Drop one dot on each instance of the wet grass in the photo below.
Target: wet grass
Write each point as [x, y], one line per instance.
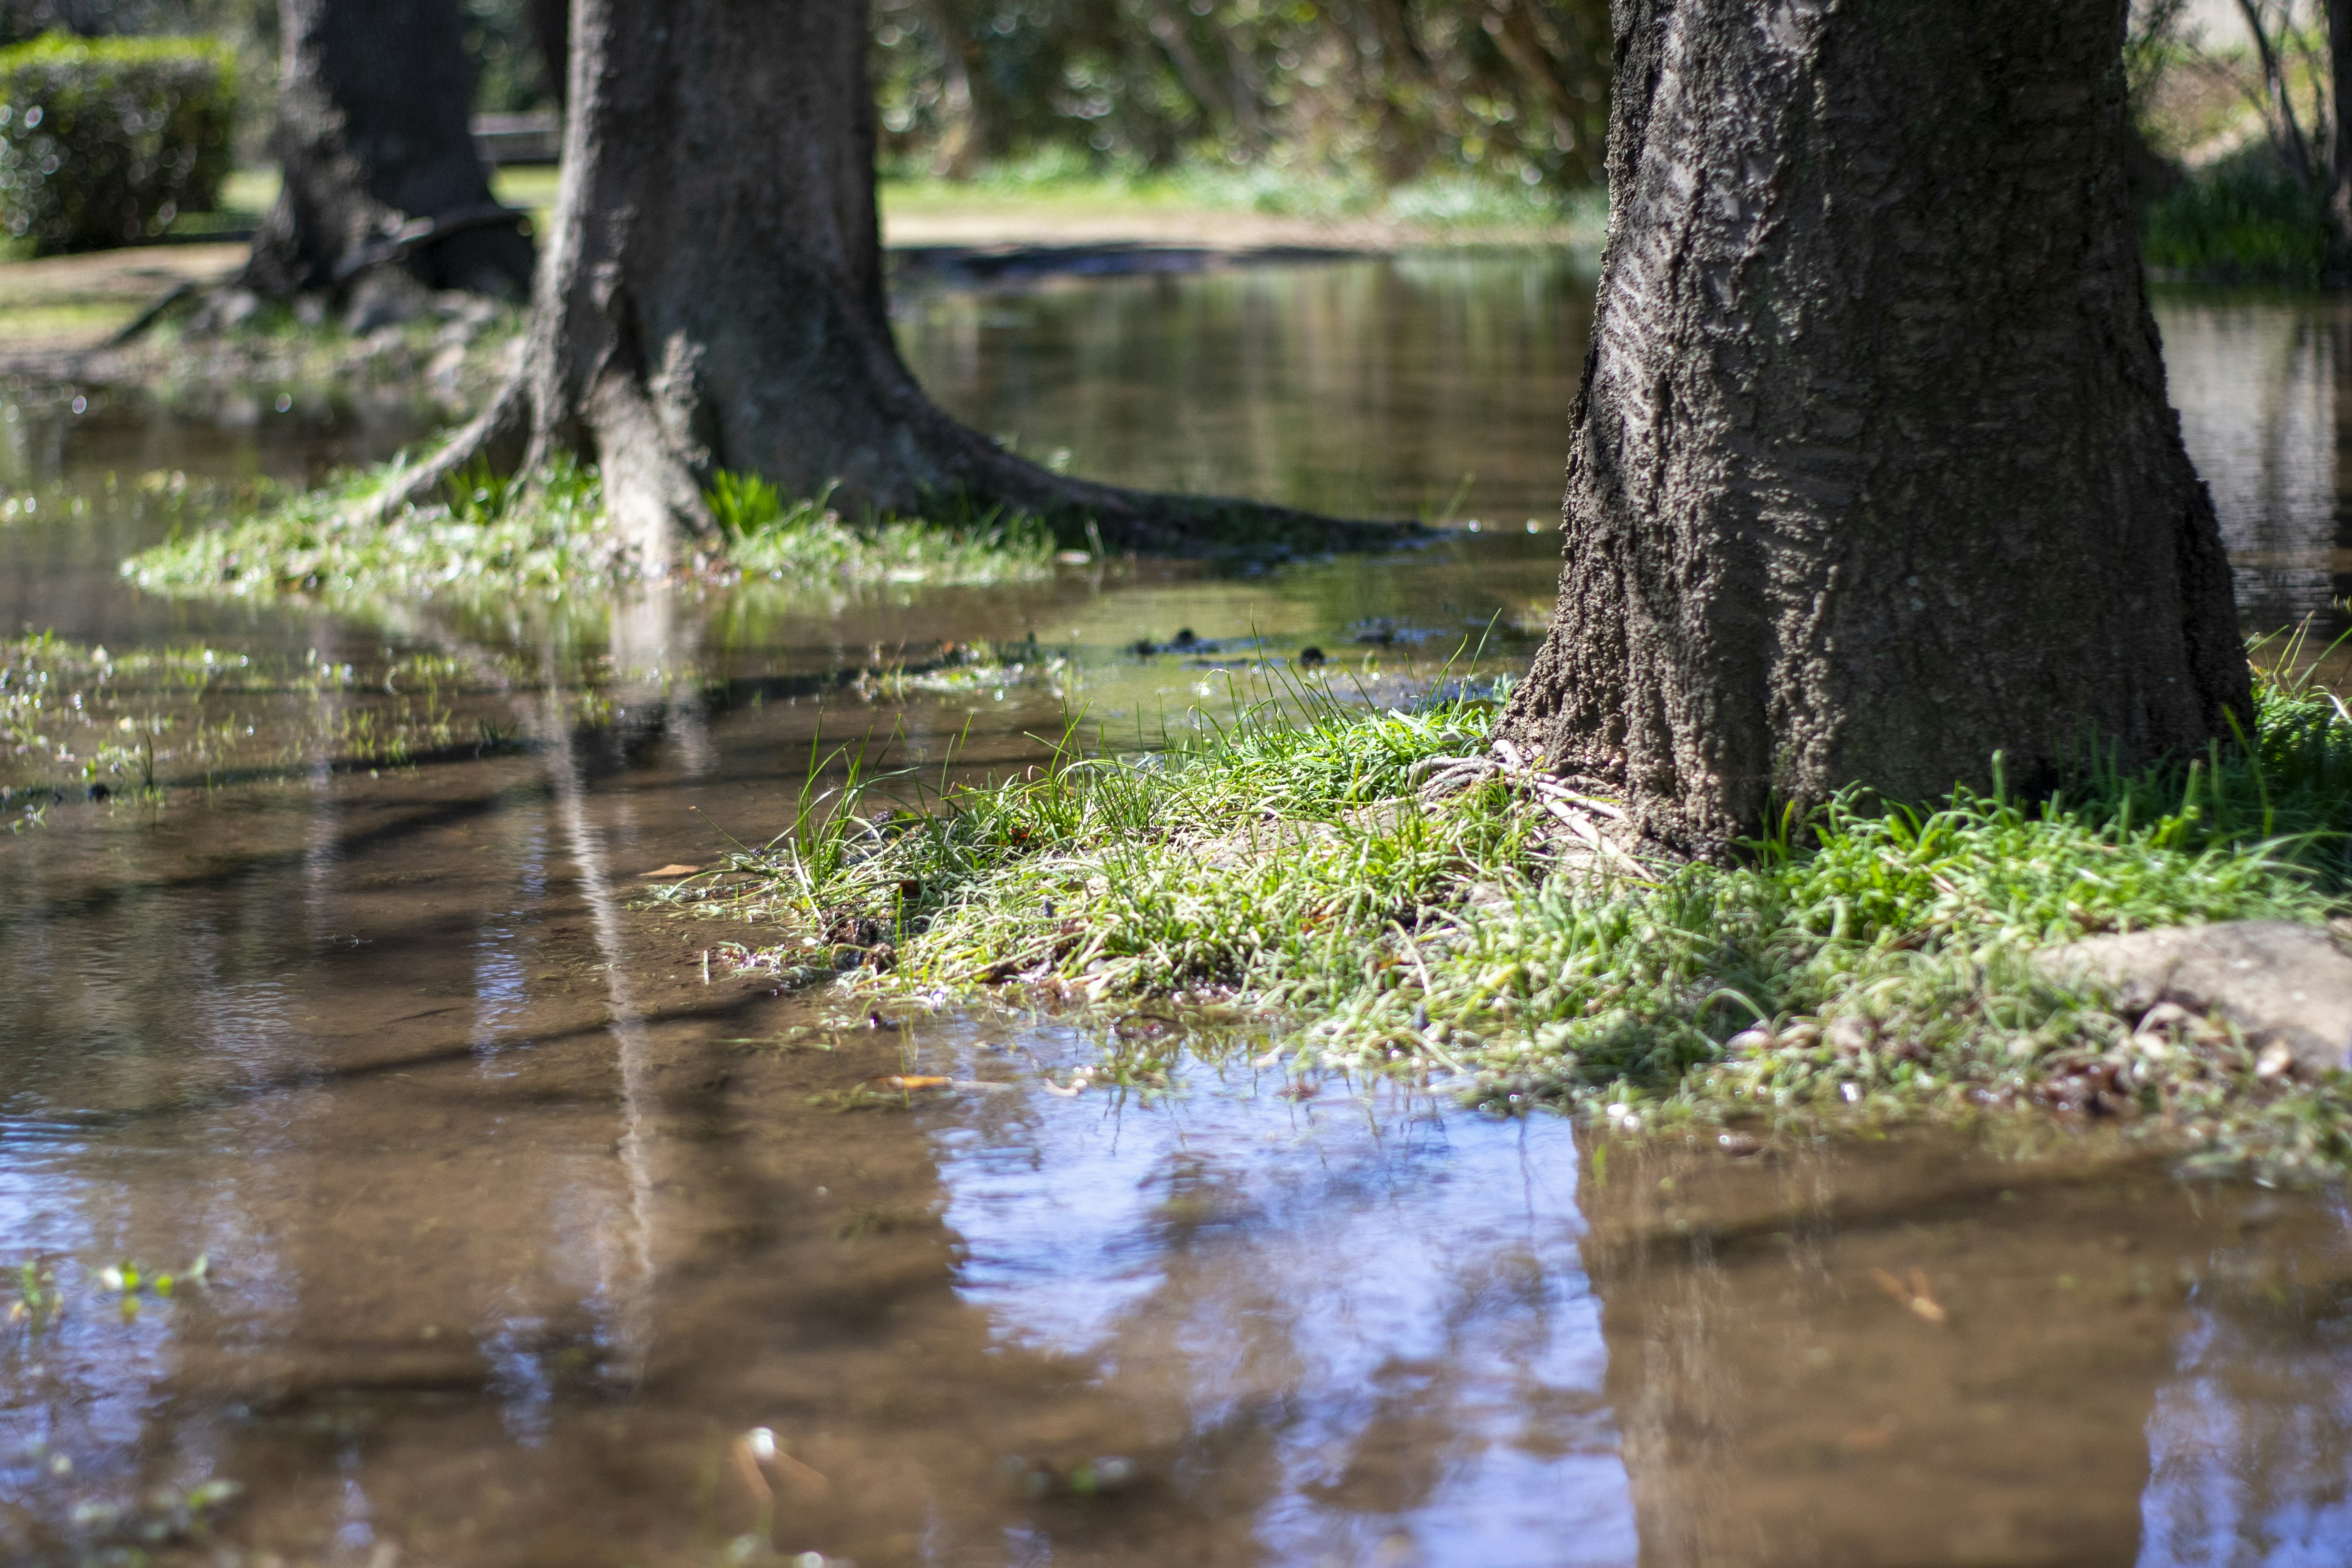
[1863, 966]
[548, 535]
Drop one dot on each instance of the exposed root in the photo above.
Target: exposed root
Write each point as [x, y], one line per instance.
[164, 304]
[494, 433]
[1451, 777]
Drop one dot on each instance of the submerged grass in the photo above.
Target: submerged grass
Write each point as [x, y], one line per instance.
[1865, 965]
[548, 535]
[77, 723]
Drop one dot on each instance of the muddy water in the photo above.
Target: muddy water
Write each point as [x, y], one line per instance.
[524, 1242]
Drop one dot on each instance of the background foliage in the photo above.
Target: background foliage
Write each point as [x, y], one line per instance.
[105, 141]
[1395, 89]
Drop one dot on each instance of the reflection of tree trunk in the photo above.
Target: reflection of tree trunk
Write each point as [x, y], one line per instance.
[380, 174]
[1778, 1405]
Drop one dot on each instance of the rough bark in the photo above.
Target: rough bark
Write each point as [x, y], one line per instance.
[712, 295]
[381, 174]
[1873, 475]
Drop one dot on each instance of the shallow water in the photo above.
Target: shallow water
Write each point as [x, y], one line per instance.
[516, 1228]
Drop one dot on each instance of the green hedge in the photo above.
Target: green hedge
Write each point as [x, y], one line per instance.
[104, 141]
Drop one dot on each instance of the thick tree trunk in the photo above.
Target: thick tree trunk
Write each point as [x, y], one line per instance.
[1873, 476]
[381, 174]
[713, 295]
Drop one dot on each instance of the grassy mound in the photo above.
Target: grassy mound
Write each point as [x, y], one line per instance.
[1869, 962]
[495, 537]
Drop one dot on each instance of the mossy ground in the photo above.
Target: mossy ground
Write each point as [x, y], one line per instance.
[548, 535]
[1866, 965]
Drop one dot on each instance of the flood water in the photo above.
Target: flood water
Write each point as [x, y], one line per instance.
[527, 1239]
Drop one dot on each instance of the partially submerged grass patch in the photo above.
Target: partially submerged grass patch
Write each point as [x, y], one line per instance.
[548, 534]
[77, 723]
[1868, 963]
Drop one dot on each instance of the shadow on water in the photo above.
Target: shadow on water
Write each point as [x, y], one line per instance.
[525, 1242]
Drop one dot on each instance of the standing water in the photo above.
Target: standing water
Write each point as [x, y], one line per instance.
[501, 1228]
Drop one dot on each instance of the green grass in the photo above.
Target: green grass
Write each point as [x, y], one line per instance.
[495, 537]
[1864, 965]
[1453, 208]
[2244, 222]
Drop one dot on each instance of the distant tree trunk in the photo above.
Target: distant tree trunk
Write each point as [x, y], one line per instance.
[550, 29]
[970, 127]
[713, 294]
[381, 174]
[1873, 475]
[2339, 153]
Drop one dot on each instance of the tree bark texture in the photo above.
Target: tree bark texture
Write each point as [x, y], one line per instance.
[380, 166]
[712, 295]
[1873, 475]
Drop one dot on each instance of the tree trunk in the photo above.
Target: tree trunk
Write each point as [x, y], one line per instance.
[382, 180]
[1873, 476]
[713, 295]
[2339, 149]
[550, 29]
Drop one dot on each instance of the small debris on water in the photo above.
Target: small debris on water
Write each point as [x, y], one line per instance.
[1914, 1295]
[672, 870]
[1088, 1478]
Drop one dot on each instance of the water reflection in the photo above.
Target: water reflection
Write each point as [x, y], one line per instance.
[2251, 1441]
[2258, 385]
[516, 1225]
[1376, 1305]
[1780, 1402]
[1420, 385]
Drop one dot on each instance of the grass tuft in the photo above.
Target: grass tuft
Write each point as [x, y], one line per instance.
[1866, 963]
[548, 534]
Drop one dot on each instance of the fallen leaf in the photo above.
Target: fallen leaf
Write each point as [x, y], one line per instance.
[1914, 1296]
[672, 871]
[914, 1080]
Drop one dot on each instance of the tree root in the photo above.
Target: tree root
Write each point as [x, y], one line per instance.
[171, 298]
[1455, 777]
[495, 432]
